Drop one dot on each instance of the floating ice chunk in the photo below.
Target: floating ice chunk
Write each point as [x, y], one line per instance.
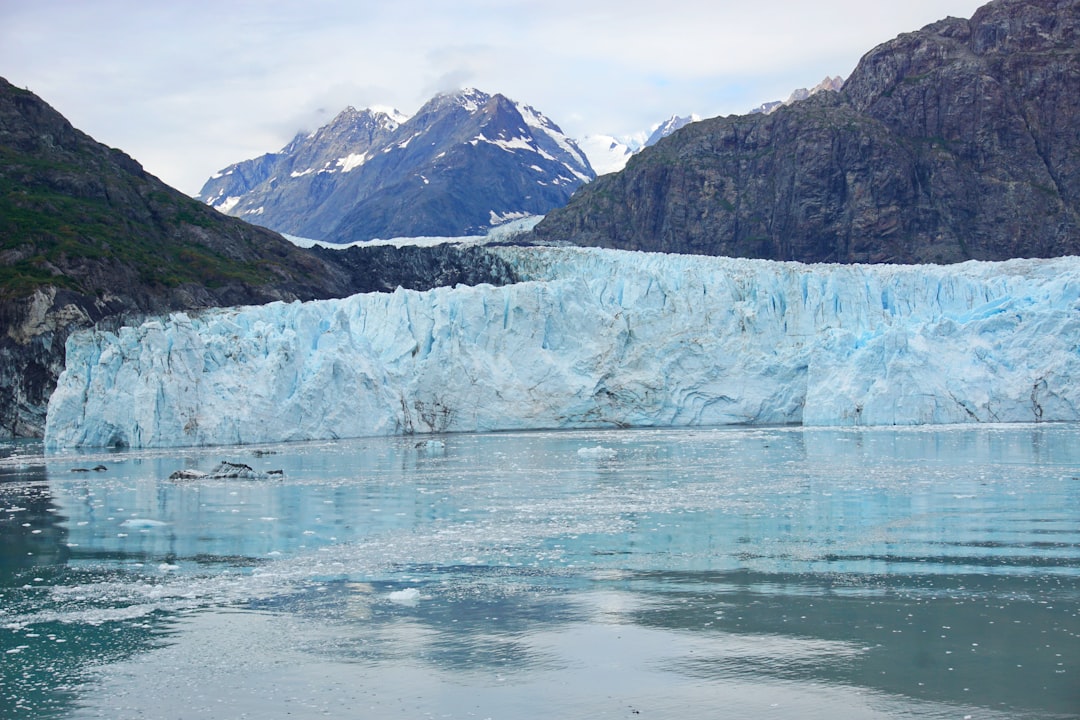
[187, 475]
[226, 469]
[142, 523]
[408, 596]
[431, 447]
[597, 453]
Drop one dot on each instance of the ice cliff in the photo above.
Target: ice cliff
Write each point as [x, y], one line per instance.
[595, 338]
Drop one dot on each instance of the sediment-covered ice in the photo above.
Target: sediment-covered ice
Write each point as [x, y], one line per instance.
[596, 338]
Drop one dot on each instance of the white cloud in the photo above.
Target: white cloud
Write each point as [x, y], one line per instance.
[187, 88]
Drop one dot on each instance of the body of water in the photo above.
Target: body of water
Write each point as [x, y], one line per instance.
[694, 573]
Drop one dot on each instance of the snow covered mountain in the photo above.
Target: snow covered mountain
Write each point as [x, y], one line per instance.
[673, 123]
[467, 161]
[609, 154]
[595, 338]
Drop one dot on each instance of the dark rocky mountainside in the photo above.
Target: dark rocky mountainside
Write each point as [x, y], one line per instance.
[467, 161]
[384, 268]
[87, 236]
[959, 141]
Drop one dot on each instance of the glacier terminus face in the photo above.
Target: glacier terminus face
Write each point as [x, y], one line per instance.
[594, 338]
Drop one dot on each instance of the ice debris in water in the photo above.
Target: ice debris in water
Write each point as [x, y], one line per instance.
[188, 475]
[431, 447]
[599, 452]
[142, 523]
[593, 339]
[225, 469]
[408, 596]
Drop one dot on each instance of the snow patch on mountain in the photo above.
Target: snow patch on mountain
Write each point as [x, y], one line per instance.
[505, 217]
[512, 144]
[352, 161]
[228, 203]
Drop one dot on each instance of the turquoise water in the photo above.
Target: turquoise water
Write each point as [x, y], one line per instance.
[734, 572]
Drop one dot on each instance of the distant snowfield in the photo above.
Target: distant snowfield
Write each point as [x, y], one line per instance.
[608, 154]
[595, 338]
[513, 225]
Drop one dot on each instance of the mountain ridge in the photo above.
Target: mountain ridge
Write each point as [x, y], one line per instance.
[950, 143]
[834, 82]
[465, 162]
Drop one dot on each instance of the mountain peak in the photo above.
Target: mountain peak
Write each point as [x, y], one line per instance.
[391, 112]
[673, 123]
[469, 99]
[829, 83]
[351, 117]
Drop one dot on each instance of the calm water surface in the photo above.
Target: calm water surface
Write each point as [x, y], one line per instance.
[727, 573]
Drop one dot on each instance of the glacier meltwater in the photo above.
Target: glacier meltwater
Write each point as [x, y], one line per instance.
[594, 338]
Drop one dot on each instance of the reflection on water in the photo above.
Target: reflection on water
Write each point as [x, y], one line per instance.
[929, 572]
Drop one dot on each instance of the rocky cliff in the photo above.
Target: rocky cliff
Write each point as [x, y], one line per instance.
[87, 236]
[955, 142]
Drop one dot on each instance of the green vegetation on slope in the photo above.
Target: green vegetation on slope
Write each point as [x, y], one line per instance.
[47, 232]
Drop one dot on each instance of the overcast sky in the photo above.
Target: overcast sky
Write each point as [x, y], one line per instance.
[188, 87]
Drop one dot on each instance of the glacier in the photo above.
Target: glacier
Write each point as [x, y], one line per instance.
[593, 338]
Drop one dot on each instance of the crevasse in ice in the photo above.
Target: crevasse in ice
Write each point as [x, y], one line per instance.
[595, 338]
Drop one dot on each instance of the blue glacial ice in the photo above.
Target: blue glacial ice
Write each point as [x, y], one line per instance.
[594, 338]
